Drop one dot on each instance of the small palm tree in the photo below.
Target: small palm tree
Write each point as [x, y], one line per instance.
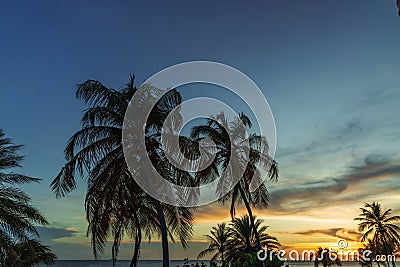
[17, 215]
[326, 257]
[242, 240]
[218, 239]
[379, 225]
[372, 247]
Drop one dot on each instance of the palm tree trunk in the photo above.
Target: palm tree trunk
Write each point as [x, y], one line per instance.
[138, 241]
[253, 226]
[249, 211]
[164, 233]
[388, 250]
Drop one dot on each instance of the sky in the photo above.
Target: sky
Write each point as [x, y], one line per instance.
[329, 70]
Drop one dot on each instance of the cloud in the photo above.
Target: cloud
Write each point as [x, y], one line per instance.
[328, 139]
[369, 121]
[348, 234]
[290, 208]
[48, 235]
[375, 170]
[335, 198]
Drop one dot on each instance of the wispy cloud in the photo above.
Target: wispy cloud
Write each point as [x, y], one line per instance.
[348, 234]
[329, 191]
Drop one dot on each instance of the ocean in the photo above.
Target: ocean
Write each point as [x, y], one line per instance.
[101, 263]
[158, 263]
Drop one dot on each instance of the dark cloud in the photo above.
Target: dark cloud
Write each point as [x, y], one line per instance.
[310, 194]
[329, 139]
[349, 130]
[286, 151]
[348, 234]
[373, 116]
[373, 168]
[48, 234]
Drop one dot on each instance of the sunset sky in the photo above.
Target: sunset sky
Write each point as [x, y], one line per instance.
[329, 70]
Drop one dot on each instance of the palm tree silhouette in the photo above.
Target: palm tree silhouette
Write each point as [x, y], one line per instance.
[115, 204]
[218, 239]
[17, 215]
[129, 212]
[398, 5]
[372, 247]
[243, 241]
[380, 225]
[326, 257]
[29, 253]
[227, 135]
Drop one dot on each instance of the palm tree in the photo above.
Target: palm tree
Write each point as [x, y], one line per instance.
[130, 213]
[230, 139]
[218, 239]
[379, 224]
[327, 257]
[29, 253]
[372, 248]
[242, 240]
[115, 204]
[17, 215]
[398, 6]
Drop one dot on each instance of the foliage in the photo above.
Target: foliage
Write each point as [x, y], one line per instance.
[326, 257]
[229, 138]
[252, 261]
[380, 229]
[17, 215]
[186, 263]
[243, 239]
[237, 241]
[29, 253]
[96, 151]
[371, 247]
[218, 239]
[232, 146]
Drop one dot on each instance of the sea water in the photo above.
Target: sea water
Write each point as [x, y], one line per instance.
[173, 263]
[101, 263]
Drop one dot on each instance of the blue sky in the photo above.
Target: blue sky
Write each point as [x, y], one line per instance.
[329, 69]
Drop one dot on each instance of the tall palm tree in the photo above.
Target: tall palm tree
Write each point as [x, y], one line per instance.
[229, 138]
[379, 224]
[17, 215]
[115, 204]
[242, 240]
[218, 239]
